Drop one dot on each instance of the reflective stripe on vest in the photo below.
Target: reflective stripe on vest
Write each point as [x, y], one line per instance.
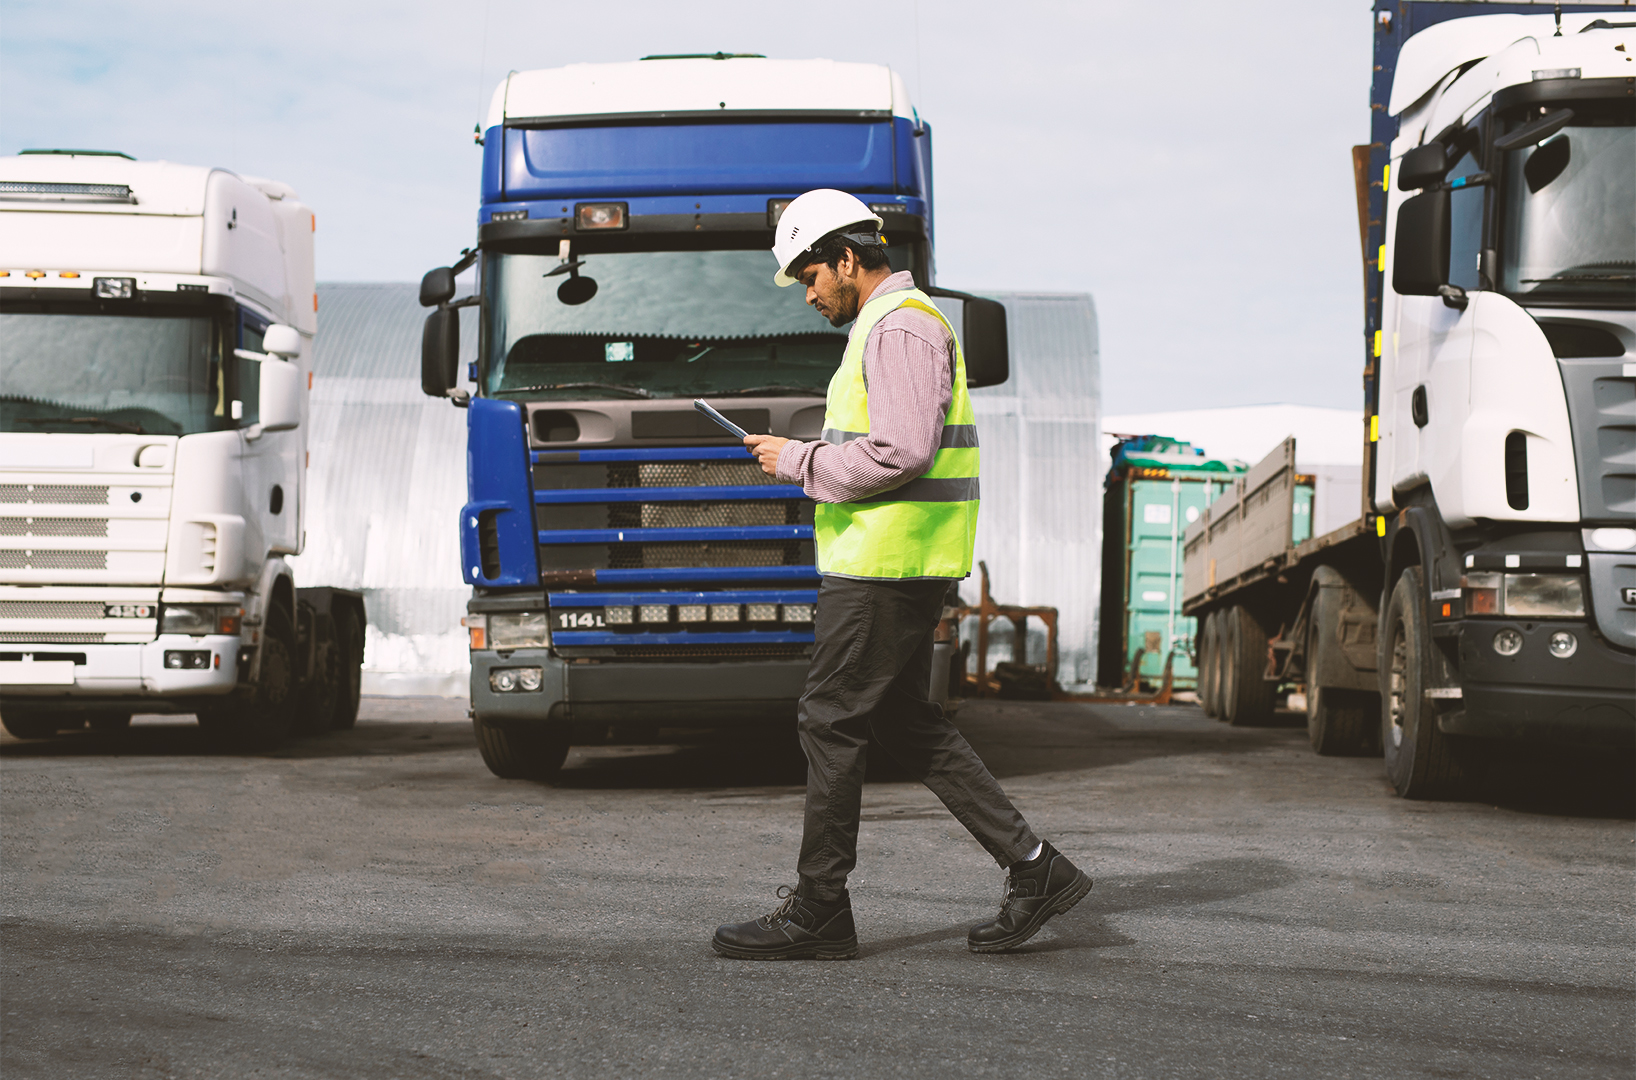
[927, 526]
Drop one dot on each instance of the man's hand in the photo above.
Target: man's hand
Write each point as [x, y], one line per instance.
[766, 449]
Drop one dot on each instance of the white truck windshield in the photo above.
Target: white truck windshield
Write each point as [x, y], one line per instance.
[1569, 232]
[153, 375]
[661, 324]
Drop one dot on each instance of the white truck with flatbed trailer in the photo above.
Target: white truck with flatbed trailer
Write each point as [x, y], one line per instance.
[1487, 592]
[156, 328]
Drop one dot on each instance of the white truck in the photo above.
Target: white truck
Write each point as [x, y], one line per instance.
[156, 329]
[1487, 593]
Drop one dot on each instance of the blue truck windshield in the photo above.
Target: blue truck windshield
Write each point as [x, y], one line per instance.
[1570, 217]
[661, 324]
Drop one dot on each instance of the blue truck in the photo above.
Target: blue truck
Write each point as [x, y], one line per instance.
[631, 567]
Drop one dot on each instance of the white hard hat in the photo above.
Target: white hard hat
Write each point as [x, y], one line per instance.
[810, 218]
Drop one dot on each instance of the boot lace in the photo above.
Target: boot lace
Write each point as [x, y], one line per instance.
[1010, 893]
[782, 915]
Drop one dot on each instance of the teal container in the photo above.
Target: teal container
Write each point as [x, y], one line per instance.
[1154, 490]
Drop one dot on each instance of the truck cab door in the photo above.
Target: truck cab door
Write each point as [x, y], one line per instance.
[269, 460]
[1430, 373]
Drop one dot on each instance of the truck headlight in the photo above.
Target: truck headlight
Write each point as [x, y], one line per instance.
[1524, 596]
[199, 619]
[524, 631]
[515, 680]
[1560, 596]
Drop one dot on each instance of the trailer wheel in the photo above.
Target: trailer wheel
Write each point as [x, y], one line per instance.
[349, 652]
[1210, 665]
[1421, 761]
[1337, 719]
[315, 712]
[26, 724]
[1247, 697]
[519, 753]
[266, 721]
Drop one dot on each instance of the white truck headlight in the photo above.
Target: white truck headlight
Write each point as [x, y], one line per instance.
[199, 619]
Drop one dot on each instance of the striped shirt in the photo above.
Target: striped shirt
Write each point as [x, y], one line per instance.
[908, 365]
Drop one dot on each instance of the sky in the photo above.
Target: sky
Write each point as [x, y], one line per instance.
[1187, 164]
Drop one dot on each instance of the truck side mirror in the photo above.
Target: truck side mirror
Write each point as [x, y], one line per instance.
[987, 348]
[1421, 167]
[437, 287]
[439, 349]
[280, 395]
[982, 338]
[1420, 257]
[281, 340]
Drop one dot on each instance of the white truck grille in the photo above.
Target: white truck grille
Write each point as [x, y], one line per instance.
[53, 526]
[78, 615]
[54, 494]
[55, 531]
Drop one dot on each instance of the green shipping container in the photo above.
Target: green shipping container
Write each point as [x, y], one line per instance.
[1154, 490]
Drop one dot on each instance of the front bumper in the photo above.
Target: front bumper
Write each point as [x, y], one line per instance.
[128, 674]
[590, 698]
[1587, 699]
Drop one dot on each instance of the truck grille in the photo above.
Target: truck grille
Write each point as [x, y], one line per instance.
[55, 494]
[53, 526]
[710, 554]
[53, 560]
[702, 529]
[49, 638]
[51, 609]
[708, 652]
[109, 530]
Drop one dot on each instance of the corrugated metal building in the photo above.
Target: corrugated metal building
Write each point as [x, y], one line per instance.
[387, 479]
[1040, 527]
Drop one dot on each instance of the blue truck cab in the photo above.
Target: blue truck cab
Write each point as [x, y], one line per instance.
[631, 566]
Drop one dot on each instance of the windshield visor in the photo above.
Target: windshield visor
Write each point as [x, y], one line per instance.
[661, 324]
[1569, 229]
[147, 374]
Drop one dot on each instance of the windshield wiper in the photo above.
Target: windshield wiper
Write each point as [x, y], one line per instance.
[116, 425]
[768, 391]
[1580, 277]
[634, 391]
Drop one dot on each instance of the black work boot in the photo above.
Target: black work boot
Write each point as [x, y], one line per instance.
[1034, 891]
[801, 929]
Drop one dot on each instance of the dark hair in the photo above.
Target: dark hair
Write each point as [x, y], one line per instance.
[832, 248]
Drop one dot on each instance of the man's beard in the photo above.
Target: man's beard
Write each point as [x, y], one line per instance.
[846, 308]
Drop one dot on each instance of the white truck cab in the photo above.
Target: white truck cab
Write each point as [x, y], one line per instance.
[156, 322]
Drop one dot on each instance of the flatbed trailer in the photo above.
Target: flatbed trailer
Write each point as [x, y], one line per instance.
[1486, 593]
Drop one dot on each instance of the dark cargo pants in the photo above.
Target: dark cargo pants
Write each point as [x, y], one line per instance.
[871, 669]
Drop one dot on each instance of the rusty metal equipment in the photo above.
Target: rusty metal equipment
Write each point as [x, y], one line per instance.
[985, 684]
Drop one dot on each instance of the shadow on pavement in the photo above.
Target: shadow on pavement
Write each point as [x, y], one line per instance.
[1085, 927]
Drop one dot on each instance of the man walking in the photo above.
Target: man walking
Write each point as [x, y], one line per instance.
[895, 479]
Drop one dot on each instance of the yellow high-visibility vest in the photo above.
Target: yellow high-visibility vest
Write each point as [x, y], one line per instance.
[925, 527]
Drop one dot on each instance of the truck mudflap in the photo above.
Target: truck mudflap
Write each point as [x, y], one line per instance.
[1582, 699]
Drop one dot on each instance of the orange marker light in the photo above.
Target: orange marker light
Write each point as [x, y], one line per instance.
[1446, 609]
[315, 301]
[35, 274]
[69, 273]
[309, 380]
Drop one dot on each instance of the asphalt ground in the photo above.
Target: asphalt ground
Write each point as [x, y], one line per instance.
[375, 904]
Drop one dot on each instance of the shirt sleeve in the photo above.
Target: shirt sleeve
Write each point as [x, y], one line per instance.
[909, 372]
